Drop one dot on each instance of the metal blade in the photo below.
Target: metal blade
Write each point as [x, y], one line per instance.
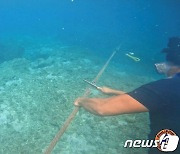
[92, 84]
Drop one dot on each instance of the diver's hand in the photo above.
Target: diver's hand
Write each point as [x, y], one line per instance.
[105, 90]
[77, 102]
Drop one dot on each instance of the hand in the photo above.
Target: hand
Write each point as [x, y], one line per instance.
[78, 101]
[105, 90]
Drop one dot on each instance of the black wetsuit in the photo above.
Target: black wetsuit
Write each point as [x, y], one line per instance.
[162, 99]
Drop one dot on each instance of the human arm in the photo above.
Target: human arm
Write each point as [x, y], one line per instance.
[116, 105]
[107, 90]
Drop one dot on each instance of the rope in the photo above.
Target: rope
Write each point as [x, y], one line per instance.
[76, 109]
[104, 67]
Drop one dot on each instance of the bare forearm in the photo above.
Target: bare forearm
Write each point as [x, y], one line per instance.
[116, 92]
[107, 90]
[116, 105]
[98, 106]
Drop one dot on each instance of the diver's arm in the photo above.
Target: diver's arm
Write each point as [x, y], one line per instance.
[116, 105]
[107, 90]
[93, 105]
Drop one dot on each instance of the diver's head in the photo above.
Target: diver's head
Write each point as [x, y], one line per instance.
[172, 64]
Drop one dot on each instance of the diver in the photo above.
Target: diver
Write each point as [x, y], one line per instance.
[160, 98]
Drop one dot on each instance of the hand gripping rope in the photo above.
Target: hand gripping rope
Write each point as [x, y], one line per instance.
[76, 109]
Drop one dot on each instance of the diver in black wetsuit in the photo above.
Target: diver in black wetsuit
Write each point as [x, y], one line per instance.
[160, 98]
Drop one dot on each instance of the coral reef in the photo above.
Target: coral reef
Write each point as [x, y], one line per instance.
[37, 96]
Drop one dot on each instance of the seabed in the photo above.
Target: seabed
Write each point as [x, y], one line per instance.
[37, 94]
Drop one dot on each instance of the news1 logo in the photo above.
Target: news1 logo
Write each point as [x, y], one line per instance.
[166, 140]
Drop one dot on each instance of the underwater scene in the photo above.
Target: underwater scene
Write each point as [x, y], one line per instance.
[48, 48]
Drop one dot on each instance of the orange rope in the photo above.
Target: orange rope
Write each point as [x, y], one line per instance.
[73, 113]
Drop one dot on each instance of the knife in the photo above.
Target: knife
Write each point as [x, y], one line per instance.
[92, 84]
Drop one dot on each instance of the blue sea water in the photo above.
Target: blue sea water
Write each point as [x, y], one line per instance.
[47, 48]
